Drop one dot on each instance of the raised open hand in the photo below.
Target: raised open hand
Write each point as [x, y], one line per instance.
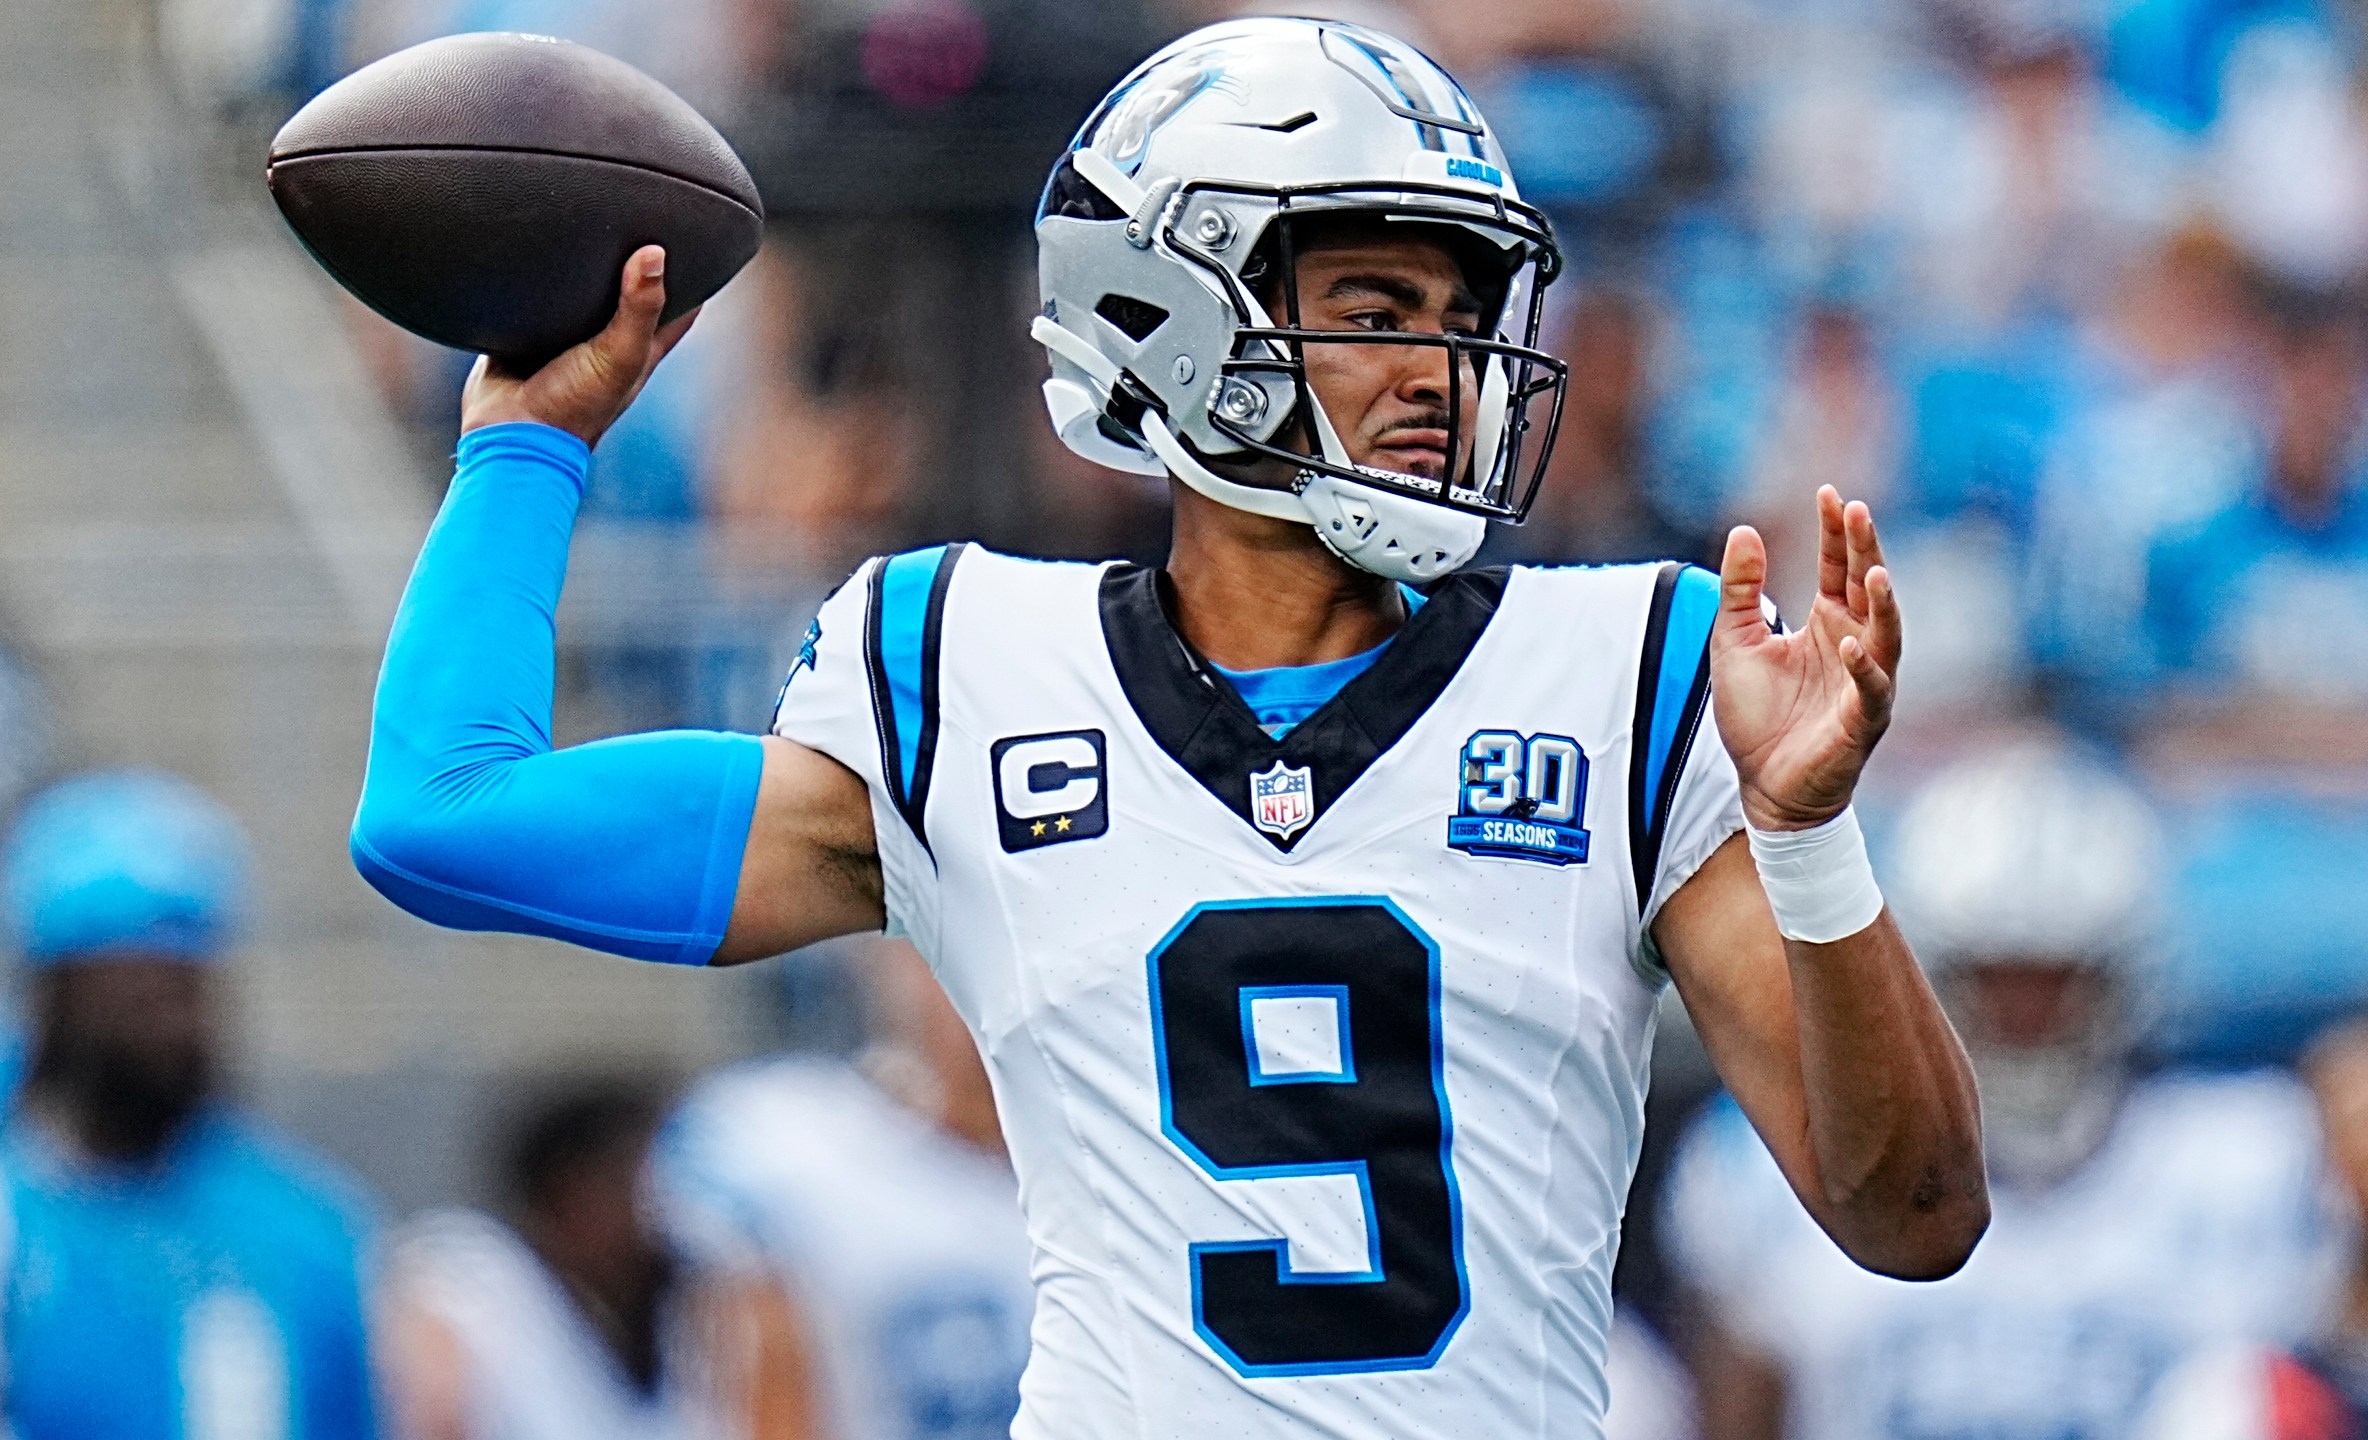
[584, 389]
[1801, 712]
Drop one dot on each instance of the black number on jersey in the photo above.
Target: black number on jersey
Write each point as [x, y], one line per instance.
[1253, 1085]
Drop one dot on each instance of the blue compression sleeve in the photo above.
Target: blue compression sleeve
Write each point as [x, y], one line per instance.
[468, 817]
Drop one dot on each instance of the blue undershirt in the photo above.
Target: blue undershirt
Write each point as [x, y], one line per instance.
[1287, 694]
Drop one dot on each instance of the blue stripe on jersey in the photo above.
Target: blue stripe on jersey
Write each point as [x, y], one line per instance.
[905, 582]
[1693, 605]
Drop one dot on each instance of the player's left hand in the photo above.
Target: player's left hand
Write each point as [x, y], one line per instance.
[1801, 712]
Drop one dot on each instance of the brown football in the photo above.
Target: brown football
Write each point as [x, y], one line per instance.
[485, 190]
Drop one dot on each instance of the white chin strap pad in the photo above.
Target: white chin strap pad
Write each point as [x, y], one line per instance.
[1394, 536]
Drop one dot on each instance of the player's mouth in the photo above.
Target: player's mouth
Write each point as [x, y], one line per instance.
[1413, 452]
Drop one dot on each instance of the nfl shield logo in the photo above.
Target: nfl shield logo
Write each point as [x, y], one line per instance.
[1283, 800]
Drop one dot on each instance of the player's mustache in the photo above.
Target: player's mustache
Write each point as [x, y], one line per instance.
[1428, 420]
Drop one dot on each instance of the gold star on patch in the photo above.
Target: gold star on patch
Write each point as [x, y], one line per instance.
[1037, 828]
[1061, 824]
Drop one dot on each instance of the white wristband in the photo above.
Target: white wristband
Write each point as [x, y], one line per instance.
[1818, 880]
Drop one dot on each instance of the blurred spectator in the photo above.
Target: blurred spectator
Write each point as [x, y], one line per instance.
[883, 1196]
[171, 1271]
[817, 464]
[1984, 170]
[2135, 1220]
[576, 1320]
[1596, 503]
[2159, 431]
[1832, 425]
[2241, 607]
[2287, 170]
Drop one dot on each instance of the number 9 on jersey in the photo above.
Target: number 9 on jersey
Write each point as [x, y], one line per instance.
[1302, 1038]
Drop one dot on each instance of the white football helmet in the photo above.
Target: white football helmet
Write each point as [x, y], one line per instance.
[2034, 855]
[1176, 204]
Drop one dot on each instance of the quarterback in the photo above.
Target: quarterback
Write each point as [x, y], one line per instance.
[1308, 898]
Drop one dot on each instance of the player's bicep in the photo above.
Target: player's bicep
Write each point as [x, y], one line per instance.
[812, 866]
[1719, 940]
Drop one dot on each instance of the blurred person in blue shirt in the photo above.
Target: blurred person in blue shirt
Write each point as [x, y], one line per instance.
[171, 1272]
[2250, 612]
[2159, 426]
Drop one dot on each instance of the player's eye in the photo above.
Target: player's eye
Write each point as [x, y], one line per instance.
[1375, 320]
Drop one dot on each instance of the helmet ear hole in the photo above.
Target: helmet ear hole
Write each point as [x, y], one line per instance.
[1134, 318]
[1072, 195]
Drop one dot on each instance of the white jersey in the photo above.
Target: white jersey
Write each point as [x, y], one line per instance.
[901, 1244]
[536, 1369]
[2199, 1220]
[1321, 1060]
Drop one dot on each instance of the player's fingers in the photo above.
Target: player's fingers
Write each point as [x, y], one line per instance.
[1742, 577]
[623, 345]
[1883, 633]
[1874, 684]
[642, 296]
[1833, 547]
[1865, 551]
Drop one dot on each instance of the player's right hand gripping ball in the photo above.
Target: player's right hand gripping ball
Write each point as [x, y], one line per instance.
[485, 190]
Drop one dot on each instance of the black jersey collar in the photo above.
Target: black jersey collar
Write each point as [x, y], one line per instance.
[1201, 722]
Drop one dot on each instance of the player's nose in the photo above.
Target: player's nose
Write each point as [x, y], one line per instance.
[1431, 375]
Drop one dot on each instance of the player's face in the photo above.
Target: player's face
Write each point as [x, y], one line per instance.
[135, 1037]
[2033, 1004]
[1389, 403]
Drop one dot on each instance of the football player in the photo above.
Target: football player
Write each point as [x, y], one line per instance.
[572, 1316]
[1308, 898]
[169, 1267]
[881, 1193]
[2318, 1389]
[2137, 1220]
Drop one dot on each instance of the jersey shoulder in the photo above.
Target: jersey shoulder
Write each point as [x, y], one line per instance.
[868, 681]
[2224, 1135]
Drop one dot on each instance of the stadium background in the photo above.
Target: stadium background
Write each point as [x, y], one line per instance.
[2062, 287]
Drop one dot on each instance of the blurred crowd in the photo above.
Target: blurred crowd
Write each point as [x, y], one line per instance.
[2075, 292]
[2070, 290]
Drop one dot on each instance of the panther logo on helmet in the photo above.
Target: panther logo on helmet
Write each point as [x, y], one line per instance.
[1128, 128]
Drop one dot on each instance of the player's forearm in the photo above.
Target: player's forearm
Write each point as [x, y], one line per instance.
[1892, 1116]
[468, 818]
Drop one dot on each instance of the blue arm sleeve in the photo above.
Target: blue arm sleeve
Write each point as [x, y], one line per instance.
[468, 817]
